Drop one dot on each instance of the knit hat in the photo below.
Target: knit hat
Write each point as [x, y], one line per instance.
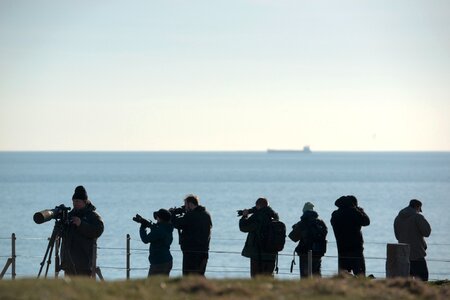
[80, 193]
[308, 206]
[163, 214]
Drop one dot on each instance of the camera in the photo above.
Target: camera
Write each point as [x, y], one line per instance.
[142, 221]
[177, 210]
[58, 213]
[250, 211]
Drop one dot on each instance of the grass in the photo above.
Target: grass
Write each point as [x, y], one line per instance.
[201, 288]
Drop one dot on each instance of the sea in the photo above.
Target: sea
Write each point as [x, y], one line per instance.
[123, 184]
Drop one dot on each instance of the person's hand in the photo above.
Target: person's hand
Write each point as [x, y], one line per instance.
[76, 221]
[245, 213]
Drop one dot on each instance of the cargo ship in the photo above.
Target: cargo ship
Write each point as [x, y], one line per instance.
[306, 149]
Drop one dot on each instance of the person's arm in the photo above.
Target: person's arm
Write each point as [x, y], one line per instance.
[92, 227]
[363, 217]
[143, 234]
[423, 225]
[396, 230]
[154, 234]
[180, 222]
[248, 224]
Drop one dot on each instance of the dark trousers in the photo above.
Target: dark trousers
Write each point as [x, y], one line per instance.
[352, 262]
[418, 268]
[160, 269]
[194, 262]
[316, 265]
[261, 267]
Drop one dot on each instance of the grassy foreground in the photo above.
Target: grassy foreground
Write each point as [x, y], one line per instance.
[200, 288]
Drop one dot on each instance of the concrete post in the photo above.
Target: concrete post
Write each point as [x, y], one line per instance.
[397, 262]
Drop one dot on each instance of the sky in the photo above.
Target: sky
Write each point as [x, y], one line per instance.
[247, 75]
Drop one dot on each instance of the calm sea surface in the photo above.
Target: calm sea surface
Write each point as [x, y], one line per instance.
[123, 184]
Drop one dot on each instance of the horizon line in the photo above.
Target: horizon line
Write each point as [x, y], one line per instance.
[230, 151]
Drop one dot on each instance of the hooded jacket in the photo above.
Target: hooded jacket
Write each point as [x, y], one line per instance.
[79, 245]
[411, 227]
[347, 221]
[195, 230]
[254, 225]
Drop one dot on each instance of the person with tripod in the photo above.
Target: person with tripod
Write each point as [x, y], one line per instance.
[79, 240]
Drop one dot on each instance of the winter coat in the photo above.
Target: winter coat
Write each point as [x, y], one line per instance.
[309, 232]
[411, 227]
[79, 243]
[195, 230]
[254, 226]
[347, 221]
[160, 239]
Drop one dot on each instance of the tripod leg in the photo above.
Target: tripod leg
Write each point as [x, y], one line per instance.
[43, 260]
[49, 261]
[50, 245]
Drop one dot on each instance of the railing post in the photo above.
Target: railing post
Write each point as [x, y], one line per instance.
[13, 256]
[309, 263]
[128, 257]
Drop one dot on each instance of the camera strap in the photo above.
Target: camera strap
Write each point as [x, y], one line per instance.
[293, 261]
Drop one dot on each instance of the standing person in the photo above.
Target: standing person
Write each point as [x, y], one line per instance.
[261, 261]
[311, 233]
[160, 239]
[347, 221]
[79, 242]
[411, 227]
[195, 234]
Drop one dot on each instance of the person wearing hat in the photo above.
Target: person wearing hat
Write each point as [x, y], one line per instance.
[311, 233]
[160, 238]
[347, 222]
[411, 227]
[79, 241]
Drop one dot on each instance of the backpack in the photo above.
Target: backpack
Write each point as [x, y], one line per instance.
[318, 234]
[274, 236]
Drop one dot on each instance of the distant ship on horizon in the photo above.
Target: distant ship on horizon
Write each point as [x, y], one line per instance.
[306, 149]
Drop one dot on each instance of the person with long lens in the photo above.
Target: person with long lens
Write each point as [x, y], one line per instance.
[160, 238]
[194, 227]
[79, 241]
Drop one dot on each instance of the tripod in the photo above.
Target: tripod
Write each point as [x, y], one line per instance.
[55, 238]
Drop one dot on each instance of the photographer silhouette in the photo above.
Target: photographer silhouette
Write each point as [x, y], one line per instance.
[79, 242]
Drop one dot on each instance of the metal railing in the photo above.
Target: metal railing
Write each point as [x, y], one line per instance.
[11, 261]
[129, 252]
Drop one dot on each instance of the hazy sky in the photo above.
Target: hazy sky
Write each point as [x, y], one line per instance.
[225, 75]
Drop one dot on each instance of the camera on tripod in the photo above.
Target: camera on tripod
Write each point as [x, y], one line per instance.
[144, 222]
[58, 213]
[250, 211]
[61, 215]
